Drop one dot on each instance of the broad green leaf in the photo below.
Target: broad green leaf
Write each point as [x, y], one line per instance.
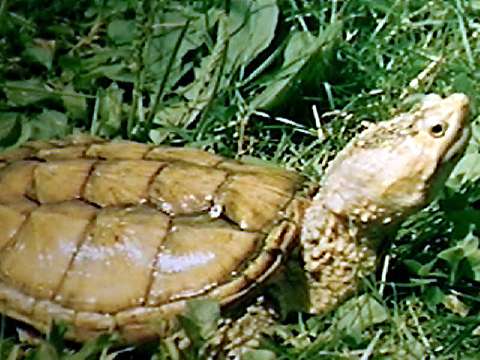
[433, 296]
[10, 129]
[465, 252]
[239, 40]
[418, 268]
[26, 92]
[306, 61]
[109, 117]
[413, 265]
[452, 255]
[426, 269]
[117, 72]
[360, 313]
[112, 63]
[56, 336]
[13, 354]
[470, 246]
[8, 349]
[41, 51]
[70, 65]
[259, 355]
[45, 352]
[463, 82]
[105, 55]
[199, 93]
[74, 103]
[467, 170]
[50, 124]
[164, 39]
[121, 31]
[474, 262]
[463, 249]
[247, 37]
[92, 348]
[204, 315]
[475, 4]
[14, 129]
[172, 115]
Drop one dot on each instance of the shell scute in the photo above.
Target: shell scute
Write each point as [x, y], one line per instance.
[253, 200]
[115, 183]
[116, 150]
[39, 254]
[57, 181]
[11, 220]
[119, 249]
[197, 257]
[12, 216]
[16, 154]
[62, 153]
[182, 188]
[239, 166]
[16, 180]
[190, 155]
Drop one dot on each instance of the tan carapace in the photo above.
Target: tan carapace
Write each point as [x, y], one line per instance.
[118, 236]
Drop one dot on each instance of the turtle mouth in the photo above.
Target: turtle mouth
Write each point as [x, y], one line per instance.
[459, 144]
[460, 103]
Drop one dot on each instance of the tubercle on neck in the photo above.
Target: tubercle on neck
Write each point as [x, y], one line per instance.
[326, 234]
[337, 253]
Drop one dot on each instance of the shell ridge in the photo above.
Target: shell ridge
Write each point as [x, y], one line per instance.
[151, 276]
[88, 228]
[85, 182]
[216, 196]
[31, 192]
[13, 239]
[162, 166]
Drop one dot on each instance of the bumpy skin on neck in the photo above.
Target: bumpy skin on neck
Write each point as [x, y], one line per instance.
[336, 256]
[389, 170]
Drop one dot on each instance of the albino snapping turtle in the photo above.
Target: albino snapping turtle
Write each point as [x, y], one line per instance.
[118, 236]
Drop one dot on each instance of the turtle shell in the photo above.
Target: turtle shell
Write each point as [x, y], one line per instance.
[118, 236]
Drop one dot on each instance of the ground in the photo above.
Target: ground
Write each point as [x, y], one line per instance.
[287, 82]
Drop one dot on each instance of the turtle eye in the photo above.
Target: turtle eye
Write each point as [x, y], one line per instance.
[438, 129]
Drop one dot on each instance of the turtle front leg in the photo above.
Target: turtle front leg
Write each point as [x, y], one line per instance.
[235, 337]
[336, 257]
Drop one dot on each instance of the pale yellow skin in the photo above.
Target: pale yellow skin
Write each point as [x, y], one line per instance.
[386, 172]
[137, 214]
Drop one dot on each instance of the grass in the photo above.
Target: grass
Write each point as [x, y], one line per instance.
[187, 74]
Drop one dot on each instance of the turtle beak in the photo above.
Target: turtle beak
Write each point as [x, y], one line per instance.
[459, 103]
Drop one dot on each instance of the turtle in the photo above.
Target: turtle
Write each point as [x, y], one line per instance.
[119, 236]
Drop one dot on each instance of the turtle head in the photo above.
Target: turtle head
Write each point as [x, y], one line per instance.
[388, 170]
[396, 166]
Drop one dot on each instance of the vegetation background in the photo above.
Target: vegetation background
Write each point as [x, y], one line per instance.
[213, 74]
